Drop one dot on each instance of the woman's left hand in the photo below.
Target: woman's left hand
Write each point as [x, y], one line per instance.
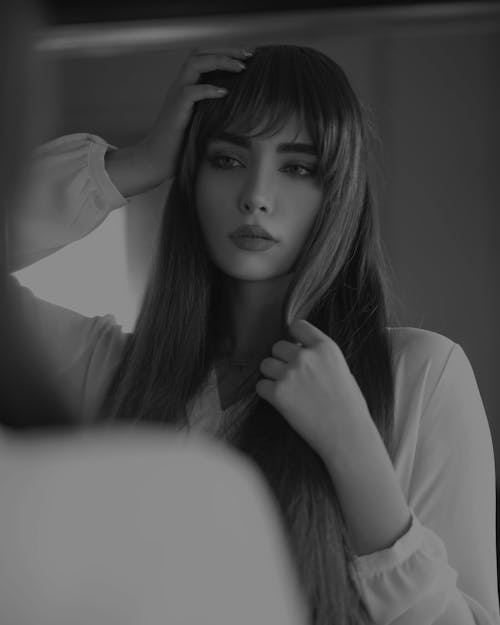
[312, 387]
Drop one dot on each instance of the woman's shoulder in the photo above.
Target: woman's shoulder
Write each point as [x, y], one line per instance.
[421, 359]
[79, 352]
[438, 409]
[418, 343]
[434, 382]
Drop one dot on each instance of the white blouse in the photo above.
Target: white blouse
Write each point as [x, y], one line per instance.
[443, 570]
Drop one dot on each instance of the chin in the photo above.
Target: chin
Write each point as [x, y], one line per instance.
[251, 274]
[248, 276]
[253, 268]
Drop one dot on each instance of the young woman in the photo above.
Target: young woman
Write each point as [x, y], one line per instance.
[265, 323]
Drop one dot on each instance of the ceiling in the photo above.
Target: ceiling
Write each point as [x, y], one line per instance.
[81, 11]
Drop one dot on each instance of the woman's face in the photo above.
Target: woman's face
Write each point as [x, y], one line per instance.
[268, 182]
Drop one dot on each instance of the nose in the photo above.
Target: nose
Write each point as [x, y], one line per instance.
[256, 196]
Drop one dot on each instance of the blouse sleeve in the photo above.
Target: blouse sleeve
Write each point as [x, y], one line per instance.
[76, 353]
[443, 570]
[68, 194]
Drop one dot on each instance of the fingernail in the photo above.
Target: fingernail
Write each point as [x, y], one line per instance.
[221, 90]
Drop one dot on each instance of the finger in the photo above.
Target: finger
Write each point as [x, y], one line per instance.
[265, 389]
[285, 351]
[272, 368]
[194, 93]
[306, 333]
[203, 64]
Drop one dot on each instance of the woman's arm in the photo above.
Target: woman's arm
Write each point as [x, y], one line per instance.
[454, 486]
[78, 179]
[152, 161]
[75, 354]
[443, 571]
[68, 194]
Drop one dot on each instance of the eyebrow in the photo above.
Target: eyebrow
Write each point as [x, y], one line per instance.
[282, 148]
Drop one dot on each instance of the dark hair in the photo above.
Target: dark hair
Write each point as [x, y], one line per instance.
[338, 284]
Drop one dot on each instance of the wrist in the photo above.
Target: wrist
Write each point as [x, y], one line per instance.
[343, 447]
[372, 501]
[132, 170]
[155, 163]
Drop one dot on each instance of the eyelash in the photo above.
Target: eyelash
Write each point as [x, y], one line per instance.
[215, 159]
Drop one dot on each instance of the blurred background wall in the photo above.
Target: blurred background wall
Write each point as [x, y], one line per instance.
[429, 77]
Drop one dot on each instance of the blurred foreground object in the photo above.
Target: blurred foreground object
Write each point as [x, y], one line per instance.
[134, 527]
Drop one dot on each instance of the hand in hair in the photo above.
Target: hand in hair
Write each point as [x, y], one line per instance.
[146, 165]
[311, 385]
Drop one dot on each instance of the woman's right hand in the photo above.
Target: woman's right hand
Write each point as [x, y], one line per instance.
[141, 167]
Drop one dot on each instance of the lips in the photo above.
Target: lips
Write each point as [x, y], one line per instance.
[251, 232]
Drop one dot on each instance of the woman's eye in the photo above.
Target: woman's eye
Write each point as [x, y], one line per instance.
[300, 171]
[296, 170]
[221, 161]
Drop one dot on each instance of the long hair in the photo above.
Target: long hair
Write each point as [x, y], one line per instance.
[338, 284]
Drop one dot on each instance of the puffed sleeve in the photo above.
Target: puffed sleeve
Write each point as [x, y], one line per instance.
[443, 570]
[67, 195]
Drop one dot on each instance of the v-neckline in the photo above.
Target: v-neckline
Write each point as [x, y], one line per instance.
[211, 393]
[207, 406]
[216, 385]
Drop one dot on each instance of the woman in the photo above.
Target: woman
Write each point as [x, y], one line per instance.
[265, 323]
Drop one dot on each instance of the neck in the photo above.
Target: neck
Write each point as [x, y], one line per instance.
[256, 315]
